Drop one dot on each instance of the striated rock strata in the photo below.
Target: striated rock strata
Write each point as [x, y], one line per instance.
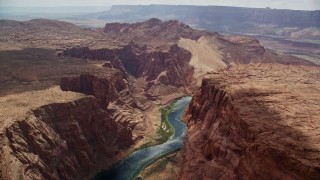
[105, 89]
[171, 67]
[113, 95]
[68, 135]
[240, 126]
[64, 141]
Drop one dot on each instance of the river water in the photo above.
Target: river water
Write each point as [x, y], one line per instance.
[130, 167]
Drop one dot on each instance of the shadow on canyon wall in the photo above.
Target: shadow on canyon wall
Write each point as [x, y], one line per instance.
[282, 139]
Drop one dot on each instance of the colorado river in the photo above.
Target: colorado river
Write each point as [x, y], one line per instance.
[138, 160]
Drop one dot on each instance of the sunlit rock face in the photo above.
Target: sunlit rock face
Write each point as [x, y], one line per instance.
[104, 88]
[65, 140]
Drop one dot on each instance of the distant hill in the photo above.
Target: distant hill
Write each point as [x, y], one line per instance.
[267, 21]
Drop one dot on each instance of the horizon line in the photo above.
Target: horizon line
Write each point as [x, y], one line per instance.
[96, 6]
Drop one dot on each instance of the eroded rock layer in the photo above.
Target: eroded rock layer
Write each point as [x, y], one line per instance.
[254, 121]
[69, 135]
[167, 52]
[113, 95]
[64, 140]
[170, 67]
[105, 89]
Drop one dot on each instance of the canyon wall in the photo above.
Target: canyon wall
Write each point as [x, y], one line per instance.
[240, 127]
[64, 141]
[73, 138]
[113, 94]
[105, 89]
[169, 67]
[216, 137]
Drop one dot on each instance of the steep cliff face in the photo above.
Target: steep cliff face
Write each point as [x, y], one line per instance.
[99, 54]
[217, 136]
[68, 135]
[63, 141]
[113, 95]
[104, 88]
[242, 127]
[171, 67]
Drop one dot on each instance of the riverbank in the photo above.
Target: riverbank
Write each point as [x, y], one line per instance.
[166, 130]
[164, 168]
[131, 166]
[163, 129]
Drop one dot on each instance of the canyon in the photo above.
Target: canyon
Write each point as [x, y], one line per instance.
[75, 101]
[53, 134]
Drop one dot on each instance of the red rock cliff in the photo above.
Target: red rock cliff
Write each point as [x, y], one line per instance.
[216, 137]
[112, 93]
[66, 140]
[104, 88]
[173, 64]
[240, 127]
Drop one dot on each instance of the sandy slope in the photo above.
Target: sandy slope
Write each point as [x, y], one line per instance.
[206, 56]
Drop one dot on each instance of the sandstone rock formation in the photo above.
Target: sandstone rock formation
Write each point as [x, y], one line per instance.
[58, 135]
[167, 53]
[113, 95]
[65, 140]
[105, 89]
[254, 121]
[69, 135]
[171, 67]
